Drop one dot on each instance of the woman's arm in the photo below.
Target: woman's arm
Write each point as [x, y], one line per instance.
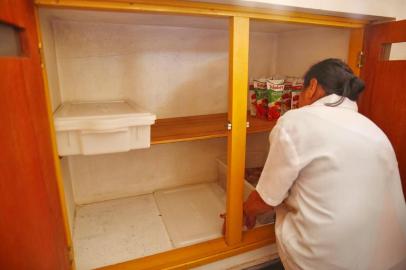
[254, 206]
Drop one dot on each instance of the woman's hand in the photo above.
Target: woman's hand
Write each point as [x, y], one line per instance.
[252, 207]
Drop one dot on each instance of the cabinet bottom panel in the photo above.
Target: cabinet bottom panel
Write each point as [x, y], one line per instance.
[115, 231]
[118, 230]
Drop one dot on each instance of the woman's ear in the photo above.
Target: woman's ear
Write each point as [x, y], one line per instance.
[312, 89]
[310, 94]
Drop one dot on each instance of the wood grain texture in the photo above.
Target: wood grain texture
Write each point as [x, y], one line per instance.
[384, 98]
[355, 47]
[202, 253]
[207, 9]
[200, 127]
[57, 164]
[31, 225]
[237, 116]
[6, 14]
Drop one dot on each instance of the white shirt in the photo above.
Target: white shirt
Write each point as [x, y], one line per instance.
[333, 175]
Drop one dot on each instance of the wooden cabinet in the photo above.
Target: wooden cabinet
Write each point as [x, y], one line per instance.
[38, 123]
[32, 223]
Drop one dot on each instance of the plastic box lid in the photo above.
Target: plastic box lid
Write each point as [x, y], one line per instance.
[100, 115]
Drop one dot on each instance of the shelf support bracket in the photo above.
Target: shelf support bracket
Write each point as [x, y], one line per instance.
[229, 126]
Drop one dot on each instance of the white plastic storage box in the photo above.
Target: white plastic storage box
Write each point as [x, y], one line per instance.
[253, 160]
[91, 128]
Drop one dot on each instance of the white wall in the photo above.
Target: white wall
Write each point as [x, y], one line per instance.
[103, 177]
[67, 186]
[262, 54]
[48, 43]
[298, 50]
[169, 71]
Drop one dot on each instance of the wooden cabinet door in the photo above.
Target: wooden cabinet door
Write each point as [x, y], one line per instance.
[32, 234]
[384, 100]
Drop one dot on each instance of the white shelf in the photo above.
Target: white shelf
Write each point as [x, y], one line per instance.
[115, 231]
[118, 230]
[191, 213]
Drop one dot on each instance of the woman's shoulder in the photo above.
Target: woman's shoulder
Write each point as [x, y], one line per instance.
[297, 116]
[324, 120]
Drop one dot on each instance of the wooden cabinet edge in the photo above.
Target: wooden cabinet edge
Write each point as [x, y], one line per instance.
[355, 50]
[202, 253]
[207, 9]
[59, 178]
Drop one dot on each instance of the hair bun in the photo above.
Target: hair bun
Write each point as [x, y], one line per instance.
[356, 86]
[335, 77]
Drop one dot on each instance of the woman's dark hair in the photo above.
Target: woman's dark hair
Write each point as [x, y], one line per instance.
[336, 77]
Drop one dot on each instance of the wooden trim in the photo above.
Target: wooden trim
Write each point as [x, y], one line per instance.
[237, 116]
[259, 125]
[199, 127]
[56, 161]
[207, 9]
[202, 253]
[355, 47]
[189, 128]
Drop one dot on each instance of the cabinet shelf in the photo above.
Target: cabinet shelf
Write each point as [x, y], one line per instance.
[199, 127]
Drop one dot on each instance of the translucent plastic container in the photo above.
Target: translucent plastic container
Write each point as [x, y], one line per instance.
[253, 160]
[90, 128]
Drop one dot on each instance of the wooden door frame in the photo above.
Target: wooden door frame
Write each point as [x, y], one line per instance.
[235, 241]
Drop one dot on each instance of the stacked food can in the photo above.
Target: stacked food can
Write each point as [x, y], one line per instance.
[272, 97]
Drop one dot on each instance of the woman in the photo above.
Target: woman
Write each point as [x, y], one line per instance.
[333, 179]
